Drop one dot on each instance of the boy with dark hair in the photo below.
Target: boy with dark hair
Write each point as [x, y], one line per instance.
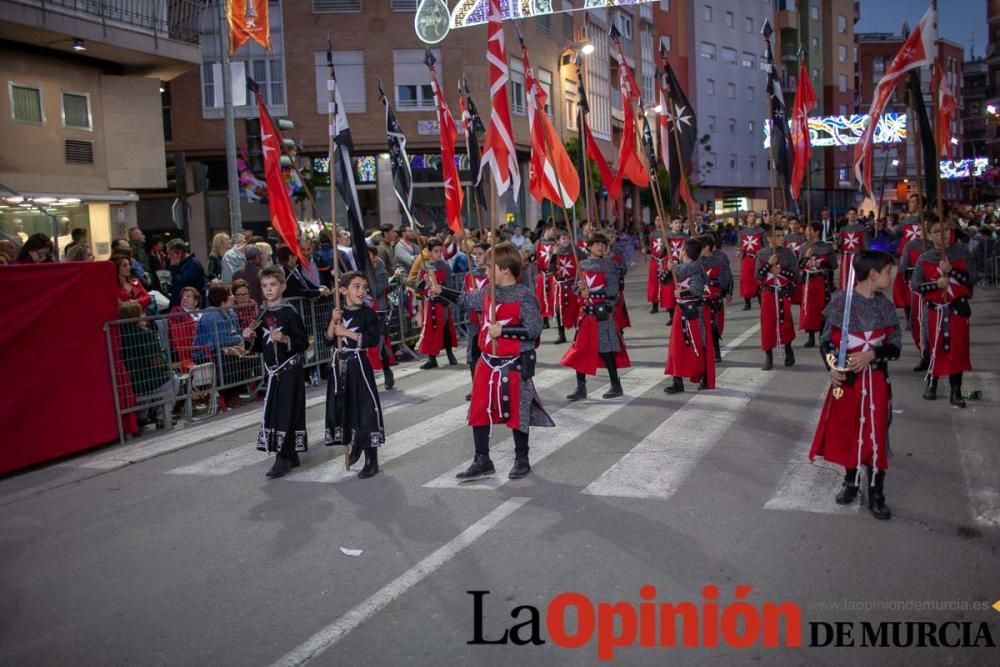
[853, 429]
[718, 288]
[502, 388]
[563, 267]
[598, 342]
[437, 329]
[944, 277]
[353, 409]
[816, 265]
[280, 336]
[777, 272]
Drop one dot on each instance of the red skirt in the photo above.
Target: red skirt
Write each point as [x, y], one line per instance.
[749, 287]
[620, 313]
[797, 294]
[900, 291]
[496, 394]
[841, 427]
[813, 304]
[376, 359]
[584, 354]
[691, 356]
[436, 328]
[545, 293]
[668, 299]
[957, 359]
[568, 304]
[769, 320]
[653, 282]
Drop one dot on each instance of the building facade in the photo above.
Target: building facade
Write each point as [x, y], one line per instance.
[81, 115]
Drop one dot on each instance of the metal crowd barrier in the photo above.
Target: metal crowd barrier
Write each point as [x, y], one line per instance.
[183, 364]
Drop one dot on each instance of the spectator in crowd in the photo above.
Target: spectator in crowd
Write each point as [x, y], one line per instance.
[296, 284]
[386, 247]
[345, 251]
[235, 258]
[36, 250]
[324, 257]
[122, 247]
[79, 237]
[80, 253]
[123, 383]
[137, 241]
[246, 308]
[308, 268]
[8, 251]
[185, 271]
[129, 287]
[148, 371]
[218, 329]
[182, 325]
[250, 273]
[265, 253]
[518, 238]
[407, 250]
[221, 244]
[158, 263]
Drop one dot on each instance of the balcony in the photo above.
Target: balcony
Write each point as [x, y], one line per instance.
[146, 36]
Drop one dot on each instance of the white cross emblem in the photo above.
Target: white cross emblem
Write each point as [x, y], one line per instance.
[481, 282]
[487, 322]
[750, 243]
[865, 341]
[591, 280]
[268, 332]
[851, 242]
[565, 266]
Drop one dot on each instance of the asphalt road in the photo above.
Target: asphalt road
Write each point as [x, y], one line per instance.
[177, 551]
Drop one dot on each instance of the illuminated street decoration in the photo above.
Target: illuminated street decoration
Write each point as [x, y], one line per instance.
[473, 12]
[846, 130]
[954, 169]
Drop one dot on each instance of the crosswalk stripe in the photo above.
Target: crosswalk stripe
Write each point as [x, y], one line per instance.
[247, 454]
[414, 437]
[573, 420]
[977, 452]
[810, 486]
[661, 461]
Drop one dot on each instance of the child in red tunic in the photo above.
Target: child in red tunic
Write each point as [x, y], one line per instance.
[437, 328]
[853, 428]
[690, 354]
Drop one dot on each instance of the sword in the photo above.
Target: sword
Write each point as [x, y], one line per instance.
[839, 362]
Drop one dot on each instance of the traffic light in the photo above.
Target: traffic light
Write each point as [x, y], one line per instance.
[177, 173]
[283, 125]
[255, 152]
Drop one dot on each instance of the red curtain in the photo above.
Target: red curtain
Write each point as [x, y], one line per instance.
[57, 397]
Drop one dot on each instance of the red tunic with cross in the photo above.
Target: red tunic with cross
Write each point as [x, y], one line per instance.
[437, 330]
[545, 284]
[948, 330]
[566, 300]
[496, 385]
[751, 243]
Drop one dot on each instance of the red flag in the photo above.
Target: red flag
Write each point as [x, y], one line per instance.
[919, 49]
[595, 154]
[248, 19]
[947, 106]
[498, 146]
[805, 101]
[278, 202]
[552, 176]
[629, 164]
[449, 170]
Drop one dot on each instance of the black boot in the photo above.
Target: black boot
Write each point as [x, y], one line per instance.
[849, 491]
[371, 463]
[545, 323]
[355, 455]
[481, 467]
[676, 387]
[654, 308]
[876, 498]
[768, 361]
[452, 361]
[293, 460]
[811, 341]
[616, 384]
[616, 389]
[703, 383]
[789, 355]
[390, 379]
[746, 304]
[925, 363]
[717, 349]
[562, 336]
[280, 467]
[930, 391]
[956, 399]
[581, 388]
[670, 319]
[432, 362]
[521, 468]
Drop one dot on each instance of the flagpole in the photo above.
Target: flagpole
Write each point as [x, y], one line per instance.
[588, 185]
[232, 174]
[935, 103]
[770, 147]
[885, 169]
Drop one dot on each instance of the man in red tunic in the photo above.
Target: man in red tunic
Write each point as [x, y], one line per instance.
[853, 429]
[750, 242]
[777, 271]
[816, 263]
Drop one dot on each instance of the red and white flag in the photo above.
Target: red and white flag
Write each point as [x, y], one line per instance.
[805, 101]
[498, 146]
[278, 203]
[947, 106]
[552, 175]
[629, 163]
[919, 49]
[449, 170]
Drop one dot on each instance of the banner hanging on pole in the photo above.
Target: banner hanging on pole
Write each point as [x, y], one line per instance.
[248, 19]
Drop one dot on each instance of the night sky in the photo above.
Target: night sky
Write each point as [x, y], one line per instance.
[958, 20]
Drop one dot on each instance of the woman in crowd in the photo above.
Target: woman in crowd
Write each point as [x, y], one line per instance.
[246, 307]
[148, 370]
[37, 249]
[129, 287]
[221, 243]
[265, 253]
[219, 329]
[79, 253]
[182, 326]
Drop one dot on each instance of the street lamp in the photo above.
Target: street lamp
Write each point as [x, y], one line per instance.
[990, 109]
[895, 163]
[584, 48]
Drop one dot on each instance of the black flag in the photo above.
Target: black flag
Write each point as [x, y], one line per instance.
[678, 110]
[473, 125]
[399, 161]
[781, 135]
[928, 153]
[342, 170]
